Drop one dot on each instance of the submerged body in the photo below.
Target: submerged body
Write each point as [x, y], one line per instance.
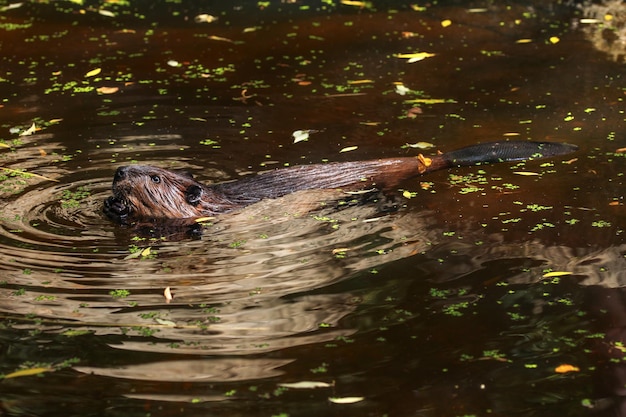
[142, 192]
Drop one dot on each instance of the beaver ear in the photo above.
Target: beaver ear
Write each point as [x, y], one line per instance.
[184, 173]
[193, 194]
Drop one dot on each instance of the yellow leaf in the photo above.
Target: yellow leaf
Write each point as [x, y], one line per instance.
[27, 372]
[93, 72]
[526, 173]
[204, 219]
[107, 90]
[348, 149]
[554, 39]
[32, 129]
[446, 23]
[219, 38]
[167, 294]
[523, 41]
[305, 384]
[406, 194]
[556, 274]
[565, 368]
[414, 57]
[345, 400]
[420, 145]
[146, 251]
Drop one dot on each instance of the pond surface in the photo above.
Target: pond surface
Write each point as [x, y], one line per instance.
[491, 290]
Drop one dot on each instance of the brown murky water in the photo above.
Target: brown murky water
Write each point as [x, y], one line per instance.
[444, 307]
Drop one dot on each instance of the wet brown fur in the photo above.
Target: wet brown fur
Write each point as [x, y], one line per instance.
[150, 193]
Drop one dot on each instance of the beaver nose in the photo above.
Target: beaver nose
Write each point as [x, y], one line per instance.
[120, 173]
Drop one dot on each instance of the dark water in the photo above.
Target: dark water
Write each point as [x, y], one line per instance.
[442, 308]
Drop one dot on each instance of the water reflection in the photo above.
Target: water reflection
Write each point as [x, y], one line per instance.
[441, 308]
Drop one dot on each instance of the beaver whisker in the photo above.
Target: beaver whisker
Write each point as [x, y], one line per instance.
[137, 195]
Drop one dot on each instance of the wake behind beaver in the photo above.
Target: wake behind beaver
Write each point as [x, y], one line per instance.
[147, 193]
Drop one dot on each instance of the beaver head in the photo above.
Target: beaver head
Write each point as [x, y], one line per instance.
[147, 192]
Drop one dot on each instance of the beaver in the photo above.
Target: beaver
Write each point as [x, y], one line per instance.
[142, 192]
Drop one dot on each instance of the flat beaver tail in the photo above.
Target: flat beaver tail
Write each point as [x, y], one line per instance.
[493, 152]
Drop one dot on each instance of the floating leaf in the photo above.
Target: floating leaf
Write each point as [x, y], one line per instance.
[430, 101]
[407, 194]
[204, 18]
[219, 38]
[420, 145]
[173, 63]
[345, 400]
[348, 149]
[554, 39]
[526, 173]
[300, 135]
[28, 372]
[523, 41]
[146, 251]
[402, 89]
[363, 4]
[446, 23]
[556, 274]
[28, 174]
[106, 13]
[356, 82]
[32, 129]
[11, 6]
[93, 72]
[305, 384]
[107, 90]
[204, 219]
[565, 368]
[167, 293]
[415, 57]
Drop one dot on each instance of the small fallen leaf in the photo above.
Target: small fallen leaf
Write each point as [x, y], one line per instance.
[565, 368]
[554, 39]
[11, 6]
[420, 145]
[32, 129]
[219, 38]
[407, 194]
[173, 63]
[556, 274]
[348, 149]
[340, 250]
[107, 90]
[167, 293]
[93, 72]
[356, 82]
[42, 152]
[523, 41]
[526, 173]
[345, 400]
[364, 4]
[402, 89]
[106, 13]
[414, 57]
[300, 136]
[204, 219]
[305, 385]
[146, 251]
[204, 18]
[446, 23]
[28, 372]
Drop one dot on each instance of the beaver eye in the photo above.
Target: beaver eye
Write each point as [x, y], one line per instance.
[155, 178]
